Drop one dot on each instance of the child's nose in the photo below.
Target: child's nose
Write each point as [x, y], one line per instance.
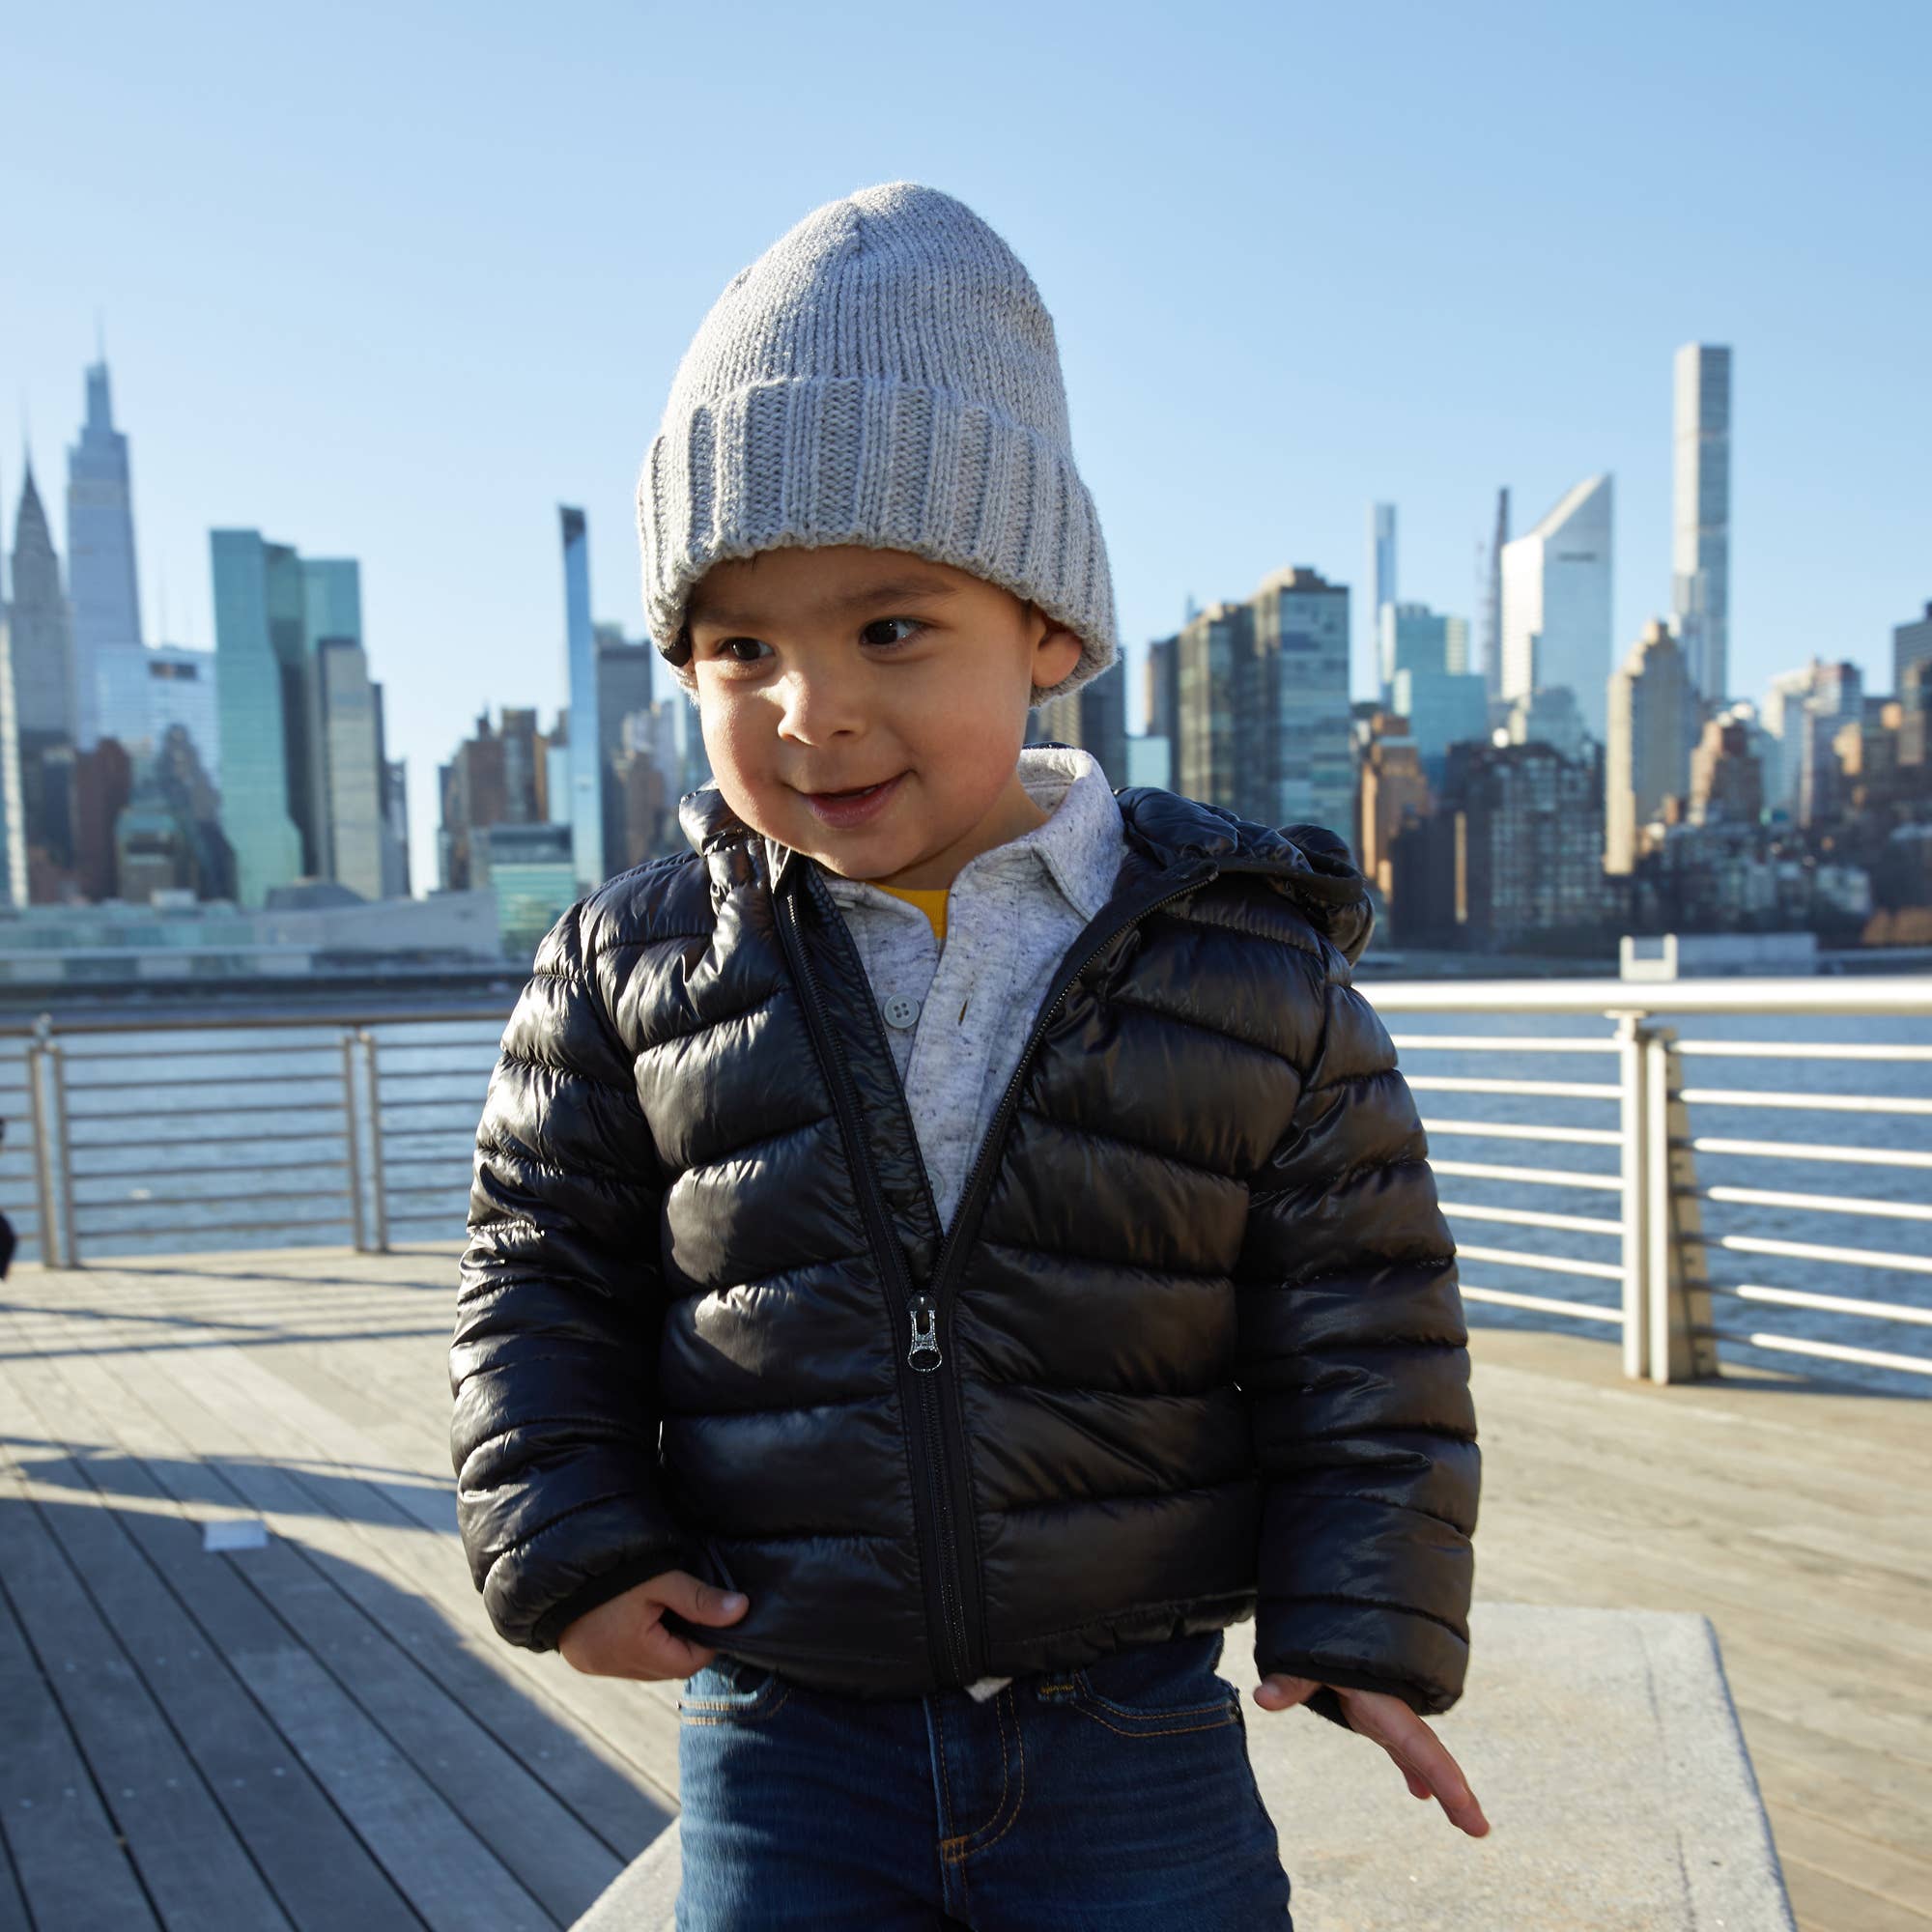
[815, 709]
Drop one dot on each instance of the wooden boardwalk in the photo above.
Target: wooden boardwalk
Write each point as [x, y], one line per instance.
[324, 1733]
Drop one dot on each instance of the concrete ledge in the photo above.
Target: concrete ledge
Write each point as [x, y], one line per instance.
[1605, 1752]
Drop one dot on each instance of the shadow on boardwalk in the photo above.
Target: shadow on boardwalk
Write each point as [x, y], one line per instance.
[300, 1734]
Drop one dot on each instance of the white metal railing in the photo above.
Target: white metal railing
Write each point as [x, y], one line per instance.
[1663, 1254]
[342, 1129]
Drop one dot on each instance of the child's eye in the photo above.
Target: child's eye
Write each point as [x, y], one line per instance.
[728, 649]
[912, 626]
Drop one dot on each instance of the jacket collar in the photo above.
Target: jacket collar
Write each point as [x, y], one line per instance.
[1308, 863]
[1078, 845]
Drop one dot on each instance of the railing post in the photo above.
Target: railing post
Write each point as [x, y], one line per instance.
[1636, 1123]
[47, 1089]
[1681, 1344]
[380, 1202]
[349, 1109]
[45, 1185]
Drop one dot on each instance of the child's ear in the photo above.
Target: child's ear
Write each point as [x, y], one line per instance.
[1055, 655]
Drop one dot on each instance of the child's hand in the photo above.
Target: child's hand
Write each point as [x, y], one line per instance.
[626, 1637]
[1418, 1752]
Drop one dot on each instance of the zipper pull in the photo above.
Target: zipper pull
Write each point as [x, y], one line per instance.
[923, 1354]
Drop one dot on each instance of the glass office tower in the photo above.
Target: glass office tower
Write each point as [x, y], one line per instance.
[260, 602]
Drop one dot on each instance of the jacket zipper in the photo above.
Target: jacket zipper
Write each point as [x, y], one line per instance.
[941, 1564]
[944, 1434]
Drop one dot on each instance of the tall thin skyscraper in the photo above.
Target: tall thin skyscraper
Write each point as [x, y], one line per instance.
[1492, 601]
[1556, 604]
[1701, 519]
[1382, 574]
[586, 777]
[110, 686]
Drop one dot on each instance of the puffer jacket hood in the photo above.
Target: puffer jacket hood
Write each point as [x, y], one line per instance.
[1190, 1348]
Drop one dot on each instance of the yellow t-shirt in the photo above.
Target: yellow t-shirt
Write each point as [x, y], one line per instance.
[929, 900]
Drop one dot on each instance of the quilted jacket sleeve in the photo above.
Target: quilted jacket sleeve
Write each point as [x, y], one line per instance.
[553, 1436]
[1355, 1362]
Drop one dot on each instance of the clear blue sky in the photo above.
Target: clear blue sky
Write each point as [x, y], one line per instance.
[392, 281]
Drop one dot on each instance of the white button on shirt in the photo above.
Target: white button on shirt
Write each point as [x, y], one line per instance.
[900, 1009]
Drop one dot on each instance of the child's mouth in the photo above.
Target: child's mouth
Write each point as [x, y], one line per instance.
[852, 806]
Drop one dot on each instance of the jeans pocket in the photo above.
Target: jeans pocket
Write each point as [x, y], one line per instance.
[731, 1692]
[1154, 1689]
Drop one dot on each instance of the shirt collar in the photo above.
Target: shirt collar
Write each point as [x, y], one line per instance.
[1079, 845]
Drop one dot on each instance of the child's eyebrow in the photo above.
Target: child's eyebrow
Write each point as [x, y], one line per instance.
[898, 590]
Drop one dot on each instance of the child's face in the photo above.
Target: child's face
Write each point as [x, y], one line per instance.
[822, 671]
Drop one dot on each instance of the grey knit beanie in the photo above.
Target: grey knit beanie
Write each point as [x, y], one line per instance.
[886, 374]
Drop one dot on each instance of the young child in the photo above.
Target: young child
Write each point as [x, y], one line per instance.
[954, 1242]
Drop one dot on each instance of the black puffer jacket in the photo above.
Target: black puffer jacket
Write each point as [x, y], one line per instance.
[1193, 1347]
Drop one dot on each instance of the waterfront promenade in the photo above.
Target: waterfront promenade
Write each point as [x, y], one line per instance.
[323, 1732]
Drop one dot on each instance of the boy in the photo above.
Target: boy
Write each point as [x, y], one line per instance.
[951, 1245]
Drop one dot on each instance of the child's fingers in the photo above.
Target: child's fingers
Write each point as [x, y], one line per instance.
[664, 1654]
[697, 1602]
[1425, 1761]
[1280, 1691]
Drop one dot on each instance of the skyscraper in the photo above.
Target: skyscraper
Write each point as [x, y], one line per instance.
[109, 689]
[1160, 689]
[1911, 644]
[43, 679]
[351, 765]
[181, 691]
[1411, 637]
[1556, 602]
[1701, 518]
[1492, 601]
[586, 736]
[1212, 655]
[258, 621]
[35, 762]
[1655, 718]
[14, 886]
[302, 759]
[1302, 641]
[1383, 571]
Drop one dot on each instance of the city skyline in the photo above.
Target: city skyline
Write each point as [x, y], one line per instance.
[411, 348]
[349, 803]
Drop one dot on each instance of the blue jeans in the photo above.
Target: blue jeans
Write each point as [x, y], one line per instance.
[1116, 1798]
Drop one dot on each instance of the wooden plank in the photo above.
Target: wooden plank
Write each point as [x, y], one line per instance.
[624, 1732]
[318, 1870]
[453, 1881]
[1881, 1872]
[1745, 1457]
[70, 1860]
[1878, 1786]
[281, 1412]
[1821, 1903]
[558, 1861]
[184, 1848]
[1900, 1831]
[1710, 1571]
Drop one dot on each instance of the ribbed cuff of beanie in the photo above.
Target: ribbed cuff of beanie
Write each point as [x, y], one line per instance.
[853, 460]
